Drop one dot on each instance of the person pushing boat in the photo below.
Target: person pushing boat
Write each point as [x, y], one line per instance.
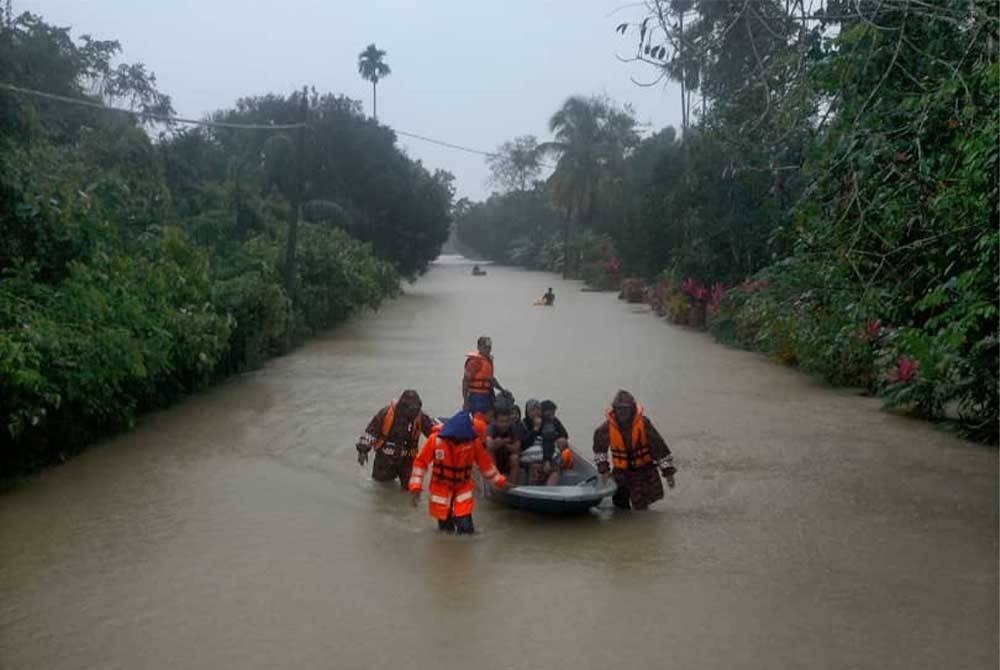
[394, 435]
[629, 447]
[452, 451]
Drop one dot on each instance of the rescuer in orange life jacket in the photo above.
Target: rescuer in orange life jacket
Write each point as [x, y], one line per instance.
[452, 451]
[638, 455]
[479, 386]
[394, 433]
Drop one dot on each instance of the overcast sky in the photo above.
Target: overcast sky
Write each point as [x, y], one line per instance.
[469, 72]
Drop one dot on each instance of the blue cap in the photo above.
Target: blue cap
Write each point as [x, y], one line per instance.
[459, 428]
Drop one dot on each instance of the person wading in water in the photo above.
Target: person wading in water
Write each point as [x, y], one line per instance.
[638, 455]
[394, 434]
[452, 451]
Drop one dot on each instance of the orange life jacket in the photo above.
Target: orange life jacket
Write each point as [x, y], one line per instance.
[402, 449]
[482, 382]
[636, 454]
[451, 478]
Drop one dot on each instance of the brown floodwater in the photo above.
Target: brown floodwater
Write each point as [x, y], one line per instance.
[808, 529]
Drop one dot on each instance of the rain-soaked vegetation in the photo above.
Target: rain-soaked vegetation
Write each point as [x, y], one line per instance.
[143, 261]
[831, 198]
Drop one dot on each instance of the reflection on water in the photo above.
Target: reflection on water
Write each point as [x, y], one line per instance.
[236, 530]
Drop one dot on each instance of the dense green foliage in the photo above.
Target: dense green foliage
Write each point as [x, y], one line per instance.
[137, 268]
[833, 201]
[353, 176]
[519, 227]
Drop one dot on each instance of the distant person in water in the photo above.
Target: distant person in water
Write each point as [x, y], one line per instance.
[548, 299]
[628, 446]
[394, 435]
[479, 386]
[476, 270]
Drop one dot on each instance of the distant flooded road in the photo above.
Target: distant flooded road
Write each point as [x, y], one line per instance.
[807, 530]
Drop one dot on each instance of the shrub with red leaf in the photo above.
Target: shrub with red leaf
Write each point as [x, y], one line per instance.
[695, 290]
[905, 372]
[871, 330]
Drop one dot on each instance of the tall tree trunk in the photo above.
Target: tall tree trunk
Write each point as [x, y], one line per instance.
[293, 220]
[565, 267]
[685, 99]
[374, 102]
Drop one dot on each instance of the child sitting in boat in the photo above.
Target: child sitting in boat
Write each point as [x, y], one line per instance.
[503, 440]
[544, 443]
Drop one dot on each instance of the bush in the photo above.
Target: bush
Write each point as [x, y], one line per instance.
[260, 313]
[119, 335]
[337, 276]
[678, 308]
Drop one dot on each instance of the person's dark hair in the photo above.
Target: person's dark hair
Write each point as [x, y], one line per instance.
[548, 406]
[411, 398]
[503, 406]
[483, 339]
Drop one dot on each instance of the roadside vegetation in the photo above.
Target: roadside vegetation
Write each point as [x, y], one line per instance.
[142, 260]
[830, 198]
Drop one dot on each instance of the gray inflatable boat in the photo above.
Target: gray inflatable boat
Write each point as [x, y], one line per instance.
[579, 489]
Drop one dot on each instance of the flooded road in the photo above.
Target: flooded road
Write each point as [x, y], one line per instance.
[807, 530]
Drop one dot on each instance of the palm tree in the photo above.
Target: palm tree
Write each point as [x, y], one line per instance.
[372, 68]
[591, 139]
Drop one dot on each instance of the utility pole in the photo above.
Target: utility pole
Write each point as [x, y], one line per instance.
[293, 220]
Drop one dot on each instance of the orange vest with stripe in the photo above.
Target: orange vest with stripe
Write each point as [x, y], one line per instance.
[389, 419]
[636, 454]
[482, 382]
[451, 477]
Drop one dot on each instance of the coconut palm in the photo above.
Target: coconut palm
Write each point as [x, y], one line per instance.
[592, 137]
[372, 68]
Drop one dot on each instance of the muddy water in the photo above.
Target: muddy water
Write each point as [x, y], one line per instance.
[808, 529]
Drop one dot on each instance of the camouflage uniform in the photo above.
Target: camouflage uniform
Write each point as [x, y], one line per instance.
[639, 483]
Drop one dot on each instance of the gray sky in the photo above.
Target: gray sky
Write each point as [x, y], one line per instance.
[469, 72]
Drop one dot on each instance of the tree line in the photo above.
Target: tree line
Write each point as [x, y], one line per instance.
[830, 198]
[142, 261]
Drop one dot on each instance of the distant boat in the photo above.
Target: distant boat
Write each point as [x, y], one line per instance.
[477, 271]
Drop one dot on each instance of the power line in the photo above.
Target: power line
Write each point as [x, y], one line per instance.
[480, 152]
[150, 115]
[444, 144]
[220, 124]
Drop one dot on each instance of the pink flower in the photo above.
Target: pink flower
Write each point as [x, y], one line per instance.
[694, 289]
[906, 370]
